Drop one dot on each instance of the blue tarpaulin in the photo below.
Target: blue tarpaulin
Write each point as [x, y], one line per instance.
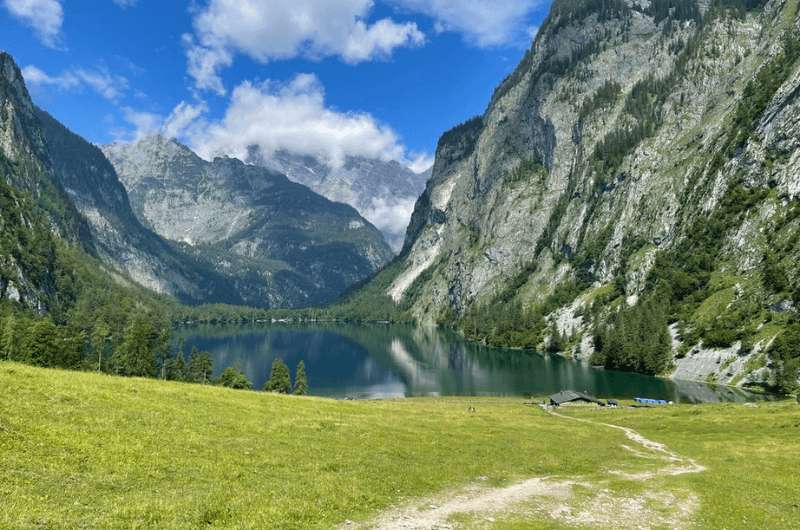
[648, 401]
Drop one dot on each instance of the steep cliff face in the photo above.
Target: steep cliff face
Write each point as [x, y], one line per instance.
[278, 241]
[36, 215]
[384, 192]
[28, 165]
[634, 137]
[63, 185]
[119, 238]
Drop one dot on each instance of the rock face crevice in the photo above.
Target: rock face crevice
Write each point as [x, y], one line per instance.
[603, 149]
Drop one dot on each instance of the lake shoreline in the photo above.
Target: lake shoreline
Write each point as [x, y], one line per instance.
[366, 360]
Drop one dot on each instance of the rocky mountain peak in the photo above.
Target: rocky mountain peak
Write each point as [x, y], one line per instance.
[638, 146]
[283, 244]
[11, 81]
[153, 156]
[383, 191]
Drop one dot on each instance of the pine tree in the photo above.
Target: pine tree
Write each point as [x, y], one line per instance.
[200, 367]
[40, 343]
[301, 380]
[163, 355]
[176, 367]
[556, 343]
[280, 380]
[101, 335]
[136, 356]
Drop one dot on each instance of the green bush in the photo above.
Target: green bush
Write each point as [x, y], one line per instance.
[233, 377]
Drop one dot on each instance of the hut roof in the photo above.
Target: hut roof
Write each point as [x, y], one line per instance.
[567, 396]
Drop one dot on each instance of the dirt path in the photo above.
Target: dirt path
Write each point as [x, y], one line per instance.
[679, 465]
[544, 497]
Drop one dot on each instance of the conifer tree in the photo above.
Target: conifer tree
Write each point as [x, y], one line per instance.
[200, 367]
[40, 343]
[101, 335]
[176, 366]
[233, 377]
[280, 380]
[136, 356]
[300, 380]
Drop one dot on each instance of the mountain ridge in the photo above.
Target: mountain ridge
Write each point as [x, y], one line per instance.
[281, 243]
[584, 188]
[384, 192]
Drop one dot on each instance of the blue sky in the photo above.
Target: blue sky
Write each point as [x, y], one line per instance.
[324, 77]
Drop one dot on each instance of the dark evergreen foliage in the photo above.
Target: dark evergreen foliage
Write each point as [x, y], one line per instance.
[300, 380]
[200, 367]
[637, 340]
[280, 380]
[785, 351]
[233, 377]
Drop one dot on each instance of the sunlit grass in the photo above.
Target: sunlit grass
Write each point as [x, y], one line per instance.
[80, 450]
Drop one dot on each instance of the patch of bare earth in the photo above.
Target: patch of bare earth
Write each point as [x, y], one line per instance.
[557, 499]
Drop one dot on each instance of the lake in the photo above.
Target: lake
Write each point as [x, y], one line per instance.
[382, 361]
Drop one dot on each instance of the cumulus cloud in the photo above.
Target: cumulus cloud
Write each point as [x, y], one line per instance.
[482, 22]
[110, 86]
[294, 117]
[273, 116]
[144, 124]
[420, 162]
[266, 30]
[37, 77]
[44, 16]
[391, 216]
[183, 120]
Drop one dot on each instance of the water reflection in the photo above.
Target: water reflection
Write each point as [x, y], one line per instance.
[374, 361]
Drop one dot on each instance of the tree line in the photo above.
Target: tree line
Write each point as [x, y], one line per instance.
[142, 348]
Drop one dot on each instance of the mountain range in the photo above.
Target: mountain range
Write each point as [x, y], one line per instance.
[629, 197]
[384, 192]
[228, 232]
[639, 170]
[280, 243]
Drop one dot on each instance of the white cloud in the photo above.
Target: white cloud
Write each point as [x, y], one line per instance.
[290, 116]
[125, 3]
[100, 80]
[183, 120]
[108, 85]
[482, 22]
[36, 77]
[391, 217]
[144, 123]
[293, 117]
[266, 30]
[420, 162]
[44, 16]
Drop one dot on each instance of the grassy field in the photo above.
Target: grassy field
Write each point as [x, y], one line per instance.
[81, 450]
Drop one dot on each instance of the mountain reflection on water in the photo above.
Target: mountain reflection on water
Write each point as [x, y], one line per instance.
[382, 361]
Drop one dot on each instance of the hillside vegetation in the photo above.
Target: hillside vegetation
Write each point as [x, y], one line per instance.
[80, 450]
[629, 196]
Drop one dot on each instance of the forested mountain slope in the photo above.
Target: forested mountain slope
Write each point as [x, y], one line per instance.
[61, 304]
[639, 169]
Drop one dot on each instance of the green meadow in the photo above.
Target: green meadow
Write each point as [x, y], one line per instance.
[80, 450]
